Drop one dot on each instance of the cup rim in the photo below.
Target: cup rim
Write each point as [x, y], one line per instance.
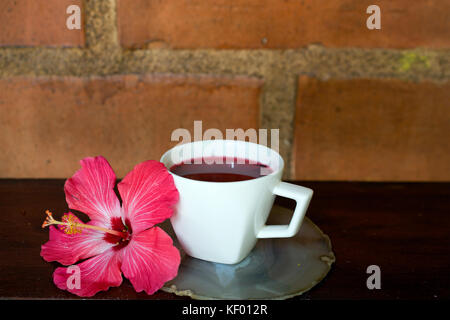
[274, 173]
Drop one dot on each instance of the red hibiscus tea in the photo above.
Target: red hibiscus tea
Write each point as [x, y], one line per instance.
[215, 169]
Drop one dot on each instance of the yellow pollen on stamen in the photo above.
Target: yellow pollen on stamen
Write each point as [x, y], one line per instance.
[70, 226]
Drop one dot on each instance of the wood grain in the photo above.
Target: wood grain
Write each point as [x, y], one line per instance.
[403, 228]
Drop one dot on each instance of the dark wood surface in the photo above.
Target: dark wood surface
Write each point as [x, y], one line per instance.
[402, 228]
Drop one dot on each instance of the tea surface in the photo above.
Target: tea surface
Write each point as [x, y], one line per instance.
[220, 169]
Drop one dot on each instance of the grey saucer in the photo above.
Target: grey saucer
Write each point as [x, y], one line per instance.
[275, 269]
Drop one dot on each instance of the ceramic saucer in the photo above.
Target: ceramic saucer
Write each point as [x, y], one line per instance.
[275, 269]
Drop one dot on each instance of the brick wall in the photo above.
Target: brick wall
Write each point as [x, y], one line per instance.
[350, 103]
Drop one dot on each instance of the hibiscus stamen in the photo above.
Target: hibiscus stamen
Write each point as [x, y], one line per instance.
[72, 227]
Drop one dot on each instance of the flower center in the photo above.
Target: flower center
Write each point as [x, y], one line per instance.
[125, 230]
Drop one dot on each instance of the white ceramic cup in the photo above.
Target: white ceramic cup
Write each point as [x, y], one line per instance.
[222, 221]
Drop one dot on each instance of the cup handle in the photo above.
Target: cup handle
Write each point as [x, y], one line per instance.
[302, 196]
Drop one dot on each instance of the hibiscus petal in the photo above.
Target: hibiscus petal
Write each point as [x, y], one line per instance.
[148, 194]
[69, 248]
[96, 274]
[91, 190]
[150, 260]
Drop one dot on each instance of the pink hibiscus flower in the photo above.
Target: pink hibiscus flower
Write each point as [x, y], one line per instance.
[118, 239]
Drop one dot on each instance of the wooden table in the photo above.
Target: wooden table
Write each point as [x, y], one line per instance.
[401, 227]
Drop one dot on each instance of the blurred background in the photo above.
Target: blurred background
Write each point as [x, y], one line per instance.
[351, 103]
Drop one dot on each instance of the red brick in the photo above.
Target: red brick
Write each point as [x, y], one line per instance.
[48, 125]
[372, 130]
[38, 23]
[255, 24]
